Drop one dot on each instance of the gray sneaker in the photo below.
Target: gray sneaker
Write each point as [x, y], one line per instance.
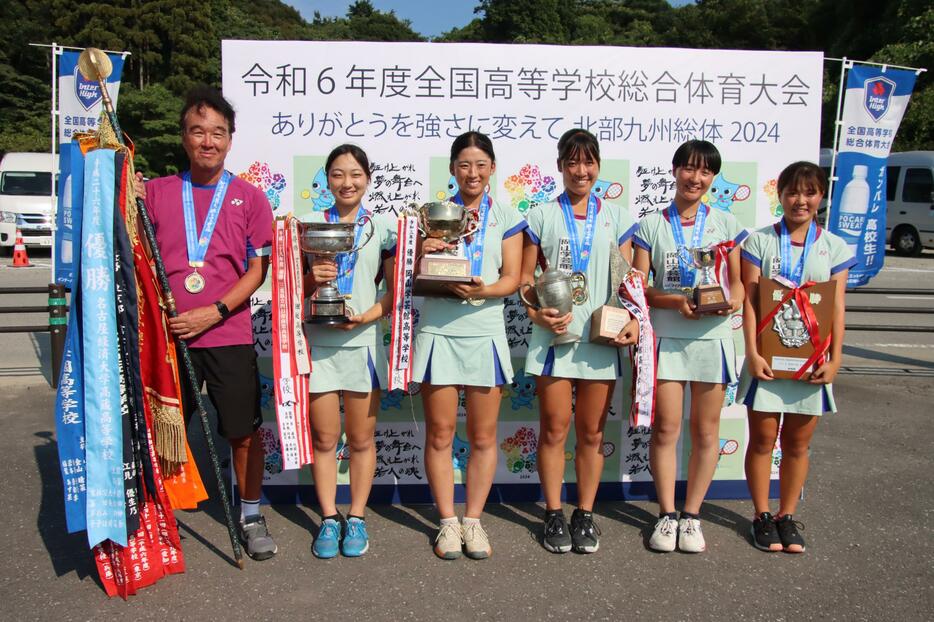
[254, 534]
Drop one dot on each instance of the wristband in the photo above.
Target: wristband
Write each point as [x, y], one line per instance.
[222, 309]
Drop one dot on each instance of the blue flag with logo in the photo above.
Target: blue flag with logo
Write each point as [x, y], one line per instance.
[79, 104]
[873, 107]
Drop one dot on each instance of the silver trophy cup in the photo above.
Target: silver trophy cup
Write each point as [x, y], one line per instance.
[330, 239]
[557, 290]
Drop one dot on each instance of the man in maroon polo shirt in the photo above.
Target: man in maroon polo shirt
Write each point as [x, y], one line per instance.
[214, 231]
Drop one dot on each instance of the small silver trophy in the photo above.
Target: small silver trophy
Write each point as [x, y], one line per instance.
[557, 290]
[330, 239]
[708, 295]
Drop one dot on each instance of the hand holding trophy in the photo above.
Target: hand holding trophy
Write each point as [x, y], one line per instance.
[708, 295]
[330, 239]
[449, 222]
[557, 290]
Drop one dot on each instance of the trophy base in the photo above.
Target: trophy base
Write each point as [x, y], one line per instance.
[710, 299]
[436, 285]
[565, 338]
[331, 320]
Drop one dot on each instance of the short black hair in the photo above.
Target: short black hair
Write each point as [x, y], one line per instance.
[355, 152]
[803, 172]
[203, 96]
[697, 153]
[578, 141]
[472, 139]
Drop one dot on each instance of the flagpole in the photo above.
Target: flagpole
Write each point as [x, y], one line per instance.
[838, 122]
[90, 55]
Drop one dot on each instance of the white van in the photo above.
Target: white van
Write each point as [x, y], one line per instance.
[25, 199]
[909, 216]
[909, 199]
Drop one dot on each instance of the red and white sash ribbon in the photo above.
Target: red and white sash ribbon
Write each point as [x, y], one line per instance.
[631, 295]
[819, 357]
[401, 344]
[290, 356]
[722, 267]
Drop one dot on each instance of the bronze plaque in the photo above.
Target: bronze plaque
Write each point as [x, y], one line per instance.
[785, 342]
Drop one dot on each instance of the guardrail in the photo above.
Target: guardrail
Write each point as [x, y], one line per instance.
[890, 328]
[57, 311]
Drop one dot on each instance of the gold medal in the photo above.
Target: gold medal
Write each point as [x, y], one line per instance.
[579, 295]
[194, 282]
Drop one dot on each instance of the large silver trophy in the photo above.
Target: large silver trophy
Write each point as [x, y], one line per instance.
[330, 239]
[558, 290]
[708, 295]
[449, 222]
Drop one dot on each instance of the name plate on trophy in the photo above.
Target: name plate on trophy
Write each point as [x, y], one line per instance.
[785, 342]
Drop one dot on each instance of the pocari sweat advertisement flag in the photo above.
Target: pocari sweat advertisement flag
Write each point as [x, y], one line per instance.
[873, 106]
[79, 104]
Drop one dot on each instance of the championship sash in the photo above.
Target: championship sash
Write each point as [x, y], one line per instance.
[106, 519]
[69, 399]
[291, 363]
[400, 345]
[632, 296]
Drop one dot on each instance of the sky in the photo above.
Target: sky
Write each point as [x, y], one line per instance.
[430, 18]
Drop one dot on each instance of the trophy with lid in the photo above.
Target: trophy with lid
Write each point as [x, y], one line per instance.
[330, 239]
[558, 290]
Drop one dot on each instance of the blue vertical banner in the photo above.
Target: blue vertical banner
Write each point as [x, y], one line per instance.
[873, 107]
[80, 103]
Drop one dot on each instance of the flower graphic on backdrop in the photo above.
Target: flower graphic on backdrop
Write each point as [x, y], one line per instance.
[521, 450]
[272, 184]
[529, 188]
[771, 191]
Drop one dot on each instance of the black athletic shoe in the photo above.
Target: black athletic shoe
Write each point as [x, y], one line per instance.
[556, 537]
[765, 534]
[585, 535]
[788, 533]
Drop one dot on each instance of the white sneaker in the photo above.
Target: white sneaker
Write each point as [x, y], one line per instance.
[690, 536]
[449, 541]
[476, 542]
[665, 536]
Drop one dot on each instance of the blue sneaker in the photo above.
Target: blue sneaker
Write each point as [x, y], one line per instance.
[328, 541]
[356, 542]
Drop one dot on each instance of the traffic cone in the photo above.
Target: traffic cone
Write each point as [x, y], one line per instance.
[20, 258]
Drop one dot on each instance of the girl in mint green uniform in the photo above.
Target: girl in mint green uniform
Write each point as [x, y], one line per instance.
[349, 359]
[574, 233]
[797, 250]
[691, 348]
[464, 344]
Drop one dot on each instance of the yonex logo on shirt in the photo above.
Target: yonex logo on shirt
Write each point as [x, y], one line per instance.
[236, 201]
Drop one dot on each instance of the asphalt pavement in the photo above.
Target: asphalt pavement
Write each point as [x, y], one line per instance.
[867, 515]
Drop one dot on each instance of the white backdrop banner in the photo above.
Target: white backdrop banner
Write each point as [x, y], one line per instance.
[404, 103]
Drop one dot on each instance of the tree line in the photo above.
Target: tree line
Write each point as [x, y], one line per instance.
[175, 44]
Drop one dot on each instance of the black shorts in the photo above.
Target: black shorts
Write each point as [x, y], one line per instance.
[232, 378]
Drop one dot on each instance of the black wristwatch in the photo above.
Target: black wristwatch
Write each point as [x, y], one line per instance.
[222, 309]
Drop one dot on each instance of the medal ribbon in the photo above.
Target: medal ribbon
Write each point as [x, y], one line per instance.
[346, 261]
[580, 251]
[631, 295]
[819, 357]
[686, 266]
[474, 248]
[795, 275]
[400, 345]
[290, 350]
[198, 244]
